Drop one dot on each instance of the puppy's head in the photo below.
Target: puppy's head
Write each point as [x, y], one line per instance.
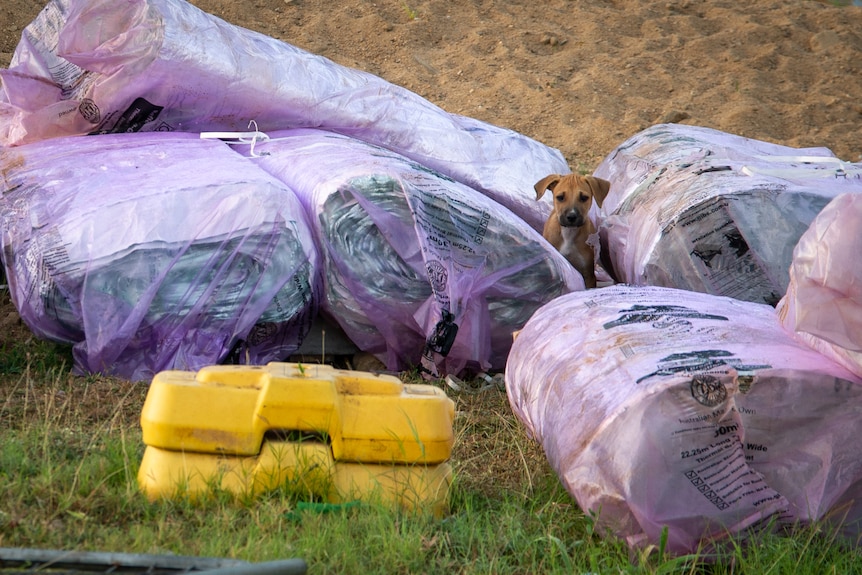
[573, 196]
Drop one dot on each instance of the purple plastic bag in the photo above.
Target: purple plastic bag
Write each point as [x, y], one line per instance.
[662, 408]
[155, 251]
[96, 66]
[823, 304]
[403, 246]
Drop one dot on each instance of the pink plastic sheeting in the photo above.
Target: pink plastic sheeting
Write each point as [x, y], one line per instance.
[703, 210]
[402, 244]
[98, 66]
[155, 251]
[823, 305]
[660, 407]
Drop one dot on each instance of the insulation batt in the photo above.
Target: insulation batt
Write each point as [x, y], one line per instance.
[660, 407]
[402, 243]
[699, 209]
[155, 251]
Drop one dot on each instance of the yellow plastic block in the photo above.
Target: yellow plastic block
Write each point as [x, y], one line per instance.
[365, 417]
[307, 467]
[340, 435]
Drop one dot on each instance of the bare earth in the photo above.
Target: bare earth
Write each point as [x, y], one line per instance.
[582, 76]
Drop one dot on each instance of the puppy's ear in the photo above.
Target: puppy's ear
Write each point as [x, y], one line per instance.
[599, 187]
[546, 183]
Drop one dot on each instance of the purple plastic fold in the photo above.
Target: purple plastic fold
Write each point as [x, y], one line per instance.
[823, 304]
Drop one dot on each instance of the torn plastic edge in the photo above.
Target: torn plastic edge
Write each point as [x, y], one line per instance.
[438, 345]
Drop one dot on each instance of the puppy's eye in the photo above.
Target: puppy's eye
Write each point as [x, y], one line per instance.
[584, 197]
[560, 197]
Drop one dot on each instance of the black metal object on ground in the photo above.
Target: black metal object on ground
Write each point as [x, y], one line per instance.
[16, 560]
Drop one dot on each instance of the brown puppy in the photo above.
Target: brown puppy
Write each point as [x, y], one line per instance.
[569, 226]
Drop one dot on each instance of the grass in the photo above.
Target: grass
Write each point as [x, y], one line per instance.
[411, 12]
[71, 447]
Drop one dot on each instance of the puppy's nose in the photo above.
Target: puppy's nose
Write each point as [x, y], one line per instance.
[573, 218]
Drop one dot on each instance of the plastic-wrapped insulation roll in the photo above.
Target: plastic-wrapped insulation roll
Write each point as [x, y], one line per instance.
[823, 304]
[698, 209]
[662, 408]
[350, 233]
[155, 251]
[101, 66]
[403, 246]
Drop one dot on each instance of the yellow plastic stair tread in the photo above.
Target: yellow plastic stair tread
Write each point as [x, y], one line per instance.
[365, 417]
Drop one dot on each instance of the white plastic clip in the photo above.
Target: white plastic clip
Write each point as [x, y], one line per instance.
[250, 138]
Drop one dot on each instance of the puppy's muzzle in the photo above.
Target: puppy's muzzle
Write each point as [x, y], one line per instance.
[572, 219]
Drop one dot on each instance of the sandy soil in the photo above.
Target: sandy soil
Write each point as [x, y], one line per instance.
[582, 76]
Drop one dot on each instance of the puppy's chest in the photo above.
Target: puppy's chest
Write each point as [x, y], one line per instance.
[572, 246]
